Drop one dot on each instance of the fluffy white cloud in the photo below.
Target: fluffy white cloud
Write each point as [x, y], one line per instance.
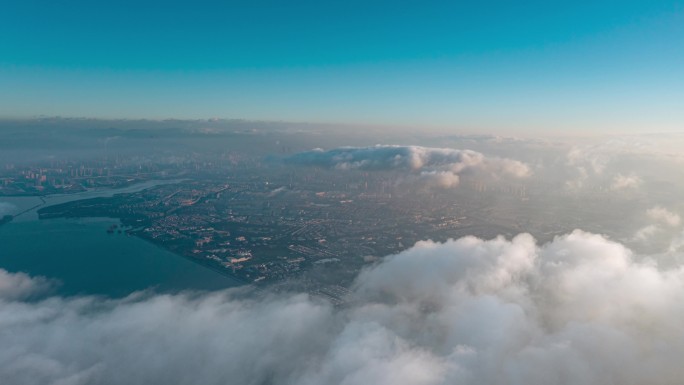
[623, 182]
[18, 286]
[437, 166]
[664, 216]
[578, 310]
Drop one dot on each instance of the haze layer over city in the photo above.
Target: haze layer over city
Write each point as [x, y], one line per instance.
[341, 193]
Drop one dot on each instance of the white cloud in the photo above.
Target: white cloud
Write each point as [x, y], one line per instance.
[645, 233]
[619, 163]
[277, 191]
[18, 286]
[437, 166]
[578, 310]
[623, 182]
[664, 216]
[588, 158]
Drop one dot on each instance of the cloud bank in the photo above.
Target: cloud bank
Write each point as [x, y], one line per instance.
[437, 166]
[578, 310]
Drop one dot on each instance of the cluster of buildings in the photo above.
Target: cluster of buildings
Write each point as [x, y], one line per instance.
[262, 230]
[61, 177]
[280, 226]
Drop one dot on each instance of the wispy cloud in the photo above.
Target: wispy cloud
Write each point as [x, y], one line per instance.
[624, 182]
[664, 216]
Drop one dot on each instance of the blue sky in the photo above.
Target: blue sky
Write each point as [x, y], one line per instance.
[486, 65]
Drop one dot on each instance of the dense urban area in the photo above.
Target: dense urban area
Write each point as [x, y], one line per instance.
[266, 222]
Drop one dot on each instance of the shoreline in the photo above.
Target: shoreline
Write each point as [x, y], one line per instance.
[48, 200]
[83, 259]
[208, 265]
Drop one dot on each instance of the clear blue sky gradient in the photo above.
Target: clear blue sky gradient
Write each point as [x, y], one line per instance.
[479, 65]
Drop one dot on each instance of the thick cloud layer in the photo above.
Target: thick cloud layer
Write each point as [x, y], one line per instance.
[578, 310]
[438, 166]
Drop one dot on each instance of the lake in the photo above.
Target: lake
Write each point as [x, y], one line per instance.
[87, 260]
